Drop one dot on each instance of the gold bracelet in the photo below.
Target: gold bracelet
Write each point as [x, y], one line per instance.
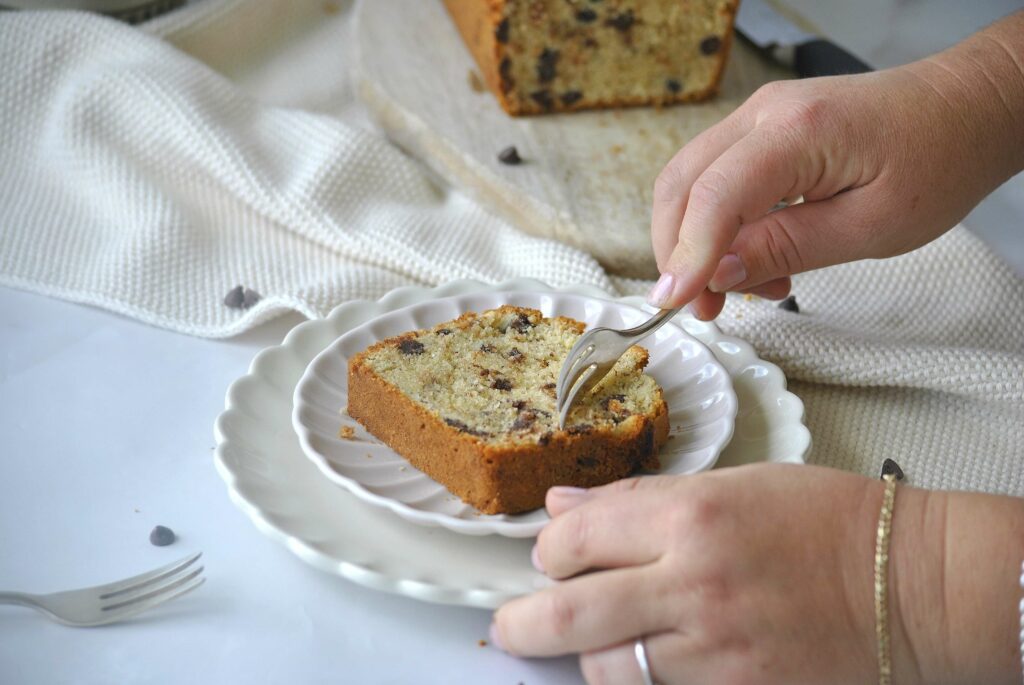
[891, 473]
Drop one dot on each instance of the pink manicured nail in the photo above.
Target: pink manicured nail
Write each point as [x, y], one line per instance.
[493, 635]
[661, 291]
[730, 273]
[535, 559]
[568, 492]
[563, 497]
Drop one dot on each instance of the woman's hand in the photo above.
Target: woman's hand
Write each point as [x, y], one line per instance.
[885, 162]
[759, 574]
[765, 574]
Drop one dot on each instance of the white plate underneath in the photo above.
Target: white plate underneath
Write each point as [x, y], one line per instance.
[701, 403]
[284, 494]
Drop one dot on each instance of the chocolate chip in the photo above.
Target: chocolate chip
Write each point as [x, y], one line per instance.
[161, 536]
[542, 98]
[459, 425]
[515, 355]
[510, 155]
[789, 304]
[570, 96]
[235, 297]
[586, 16]
[544, 438]
[521, 324]
[890, 467]
[519, 404]
[580, 429]
[622, 22]
[586, 462]
[443, 331]
[608, 400]
[501, 32]
[546, 64]
[250, 297]
[647, 448]
[487, 347]
[524, 421]
[549, 388]
[710, 45]
[410, 346]
[505, 72]
[502, 384]
[673, 86]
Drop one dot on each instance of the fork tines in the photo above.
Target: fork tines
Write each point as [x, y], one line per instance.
[146, 590]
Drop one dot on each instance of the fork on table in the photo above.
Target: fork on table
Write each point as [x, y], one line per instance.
[94, 606]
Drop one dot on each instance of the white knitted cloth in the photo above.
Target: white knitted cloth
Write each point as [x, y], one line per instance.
[148, 171]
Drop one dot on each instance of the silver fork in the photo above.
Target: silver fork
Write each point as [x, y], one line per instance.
[594, 355]
[94, 606]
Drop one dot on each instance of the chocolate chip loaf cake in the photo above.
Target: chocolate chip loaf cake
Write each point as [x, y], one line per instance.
[471, 403]
[556, 55]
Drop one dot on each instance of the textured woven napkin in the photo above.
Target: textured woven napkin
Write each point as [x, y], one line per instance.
[148, 171]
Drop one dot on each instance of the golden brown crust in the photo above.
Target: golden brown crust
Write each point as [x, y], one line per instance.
[477, 22]
[447, 455]
[525, 108]
[729, 11]
[500, 477]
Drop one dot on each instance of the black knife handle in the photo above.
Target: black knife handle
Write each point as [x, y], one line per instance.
[824, 58]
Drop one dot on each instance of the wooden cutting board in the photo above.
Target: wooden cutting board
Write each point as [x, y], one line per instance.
[587, 177]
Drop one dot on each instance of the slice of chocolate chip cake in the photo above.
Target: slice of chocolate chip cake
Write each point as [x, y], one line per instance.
[471, 403]
[556, 55]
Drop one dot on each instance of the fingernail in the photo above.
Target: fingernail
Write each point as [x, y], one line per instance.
[570, 496]
[535, 559]
[492, 633]
[662, 290]
[730, 273]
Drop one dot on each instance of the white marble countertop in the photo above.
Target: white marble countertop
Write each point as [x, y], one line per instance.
[107, 429]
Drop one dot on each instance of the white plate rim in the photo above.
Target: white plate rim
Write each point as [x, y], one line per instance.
[437, 590]
[484, 525]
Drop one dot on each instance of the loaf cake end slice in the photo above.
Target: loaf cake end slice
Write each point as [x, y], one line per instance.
[542, 56]
[471, 403]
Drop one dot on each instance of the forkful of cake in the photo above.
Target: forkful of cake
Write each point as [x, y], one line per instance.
[594, 355]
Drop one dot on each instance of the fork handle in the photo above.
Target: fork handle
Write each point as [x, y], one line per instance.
[20, 598]
[652, 324]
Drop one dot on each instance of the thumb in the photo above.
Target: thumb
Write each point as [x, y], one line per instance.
[560, 499]
[800, 238]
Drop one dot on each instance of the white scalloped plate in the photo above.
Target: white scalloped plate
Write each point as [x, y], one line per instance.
[287, 498]
[701, 402]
